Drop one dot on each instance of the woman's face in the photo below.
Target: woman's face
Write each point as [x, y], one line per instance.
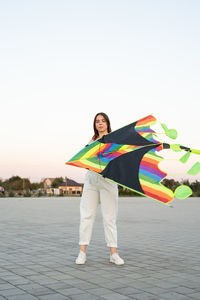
[101, 124]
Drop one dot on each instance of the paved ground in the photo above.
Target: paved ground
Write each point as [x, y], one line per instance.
[39, 243]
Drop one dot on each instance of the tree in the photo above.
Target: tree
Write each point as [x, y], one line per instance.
[36, 185]
[171, 184]
[57, 182]
[16, 183]
[13, 183]
[195, 186]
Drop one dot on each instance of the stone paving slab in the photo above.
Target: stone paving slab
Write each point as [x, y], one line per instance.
[39, 244]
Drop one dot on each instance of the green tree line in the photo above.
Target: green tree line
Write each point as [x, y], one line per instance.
[17, 184]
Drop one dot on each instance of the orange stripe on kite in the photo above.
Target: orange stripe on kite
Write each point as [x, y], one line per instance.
[164, 200]
[145, 120]
[154, 192]
[150, 160]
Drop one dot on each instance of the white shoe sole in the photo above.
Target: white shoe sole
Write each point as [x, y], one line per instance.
[116, 264]
[79, 263]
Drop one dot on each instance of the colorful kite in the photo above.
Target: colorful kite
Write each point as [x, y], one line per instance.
[128, 156]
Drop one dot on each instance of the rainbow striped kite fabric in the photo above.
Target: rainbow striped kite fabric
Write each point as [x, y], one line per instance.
[128, 156]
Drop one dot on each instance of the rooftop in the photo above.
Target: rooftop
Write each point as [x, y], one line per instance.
[71, 182]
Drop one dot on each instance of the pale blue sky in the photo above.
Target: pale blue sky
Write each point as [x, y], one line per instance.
[64, 61]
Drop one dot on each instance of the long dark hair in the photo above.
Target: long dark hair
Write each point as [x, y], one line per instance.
[96, 134]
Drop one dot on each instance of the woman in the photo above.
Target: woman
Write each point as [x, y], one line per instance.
[99, 190]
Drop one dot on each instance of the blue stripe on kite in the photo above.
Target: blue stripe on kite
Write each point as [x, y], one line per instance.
[111, 148]
[145, 130]
[150, 175]
[103, 159]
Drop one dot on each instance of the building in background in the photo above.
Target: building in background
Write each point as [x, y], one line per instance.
[67, 187]
[48, 182]
[71, 187]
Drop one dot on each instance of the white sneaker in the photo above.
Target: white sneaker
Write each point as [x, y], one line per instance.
[81, 259]
[116, 259]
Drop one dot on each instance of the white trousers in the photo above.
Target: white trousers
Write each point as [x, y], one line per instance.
[98, 190]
